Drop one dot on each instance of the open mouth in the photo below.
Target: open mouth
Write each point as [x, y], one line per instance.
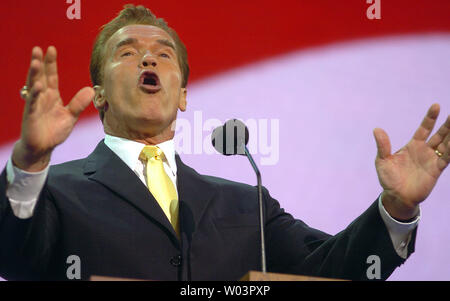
[149, 82]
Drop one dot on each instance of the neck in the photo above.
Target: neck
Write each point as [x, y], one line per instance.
[145, 137]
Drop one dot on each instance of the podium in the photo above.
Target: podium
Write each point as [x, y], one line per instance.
[250, 276]
[260, 276]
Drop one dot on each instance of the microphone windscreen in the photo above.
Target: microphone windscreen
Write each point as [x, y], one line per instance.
[231, 138]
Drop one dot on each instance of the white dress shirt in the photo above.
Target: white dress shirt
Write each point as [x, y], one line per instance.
[129, 150]
[23, 187]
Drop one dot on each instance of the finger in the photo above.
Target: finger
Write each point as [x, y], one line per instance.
[35, 91]
[383, 143]
[427, 125]
[443, 131]
[441, 147]
[50, 67]
[36, 66]
[444, 160]
[80, 101]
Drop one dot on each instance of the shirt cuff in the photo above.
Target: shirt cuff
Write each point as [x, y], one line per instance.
[399, 232]
[23, 189]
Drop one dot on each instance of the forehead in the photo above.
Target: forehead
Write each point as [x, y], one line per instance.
[139, 32]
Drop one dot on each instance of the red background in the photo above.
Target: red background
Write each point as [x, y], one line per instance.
[219, 35]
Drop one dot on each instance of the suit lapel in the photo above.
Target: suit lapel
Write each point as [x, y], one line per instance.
[108, 169]
[195, 193]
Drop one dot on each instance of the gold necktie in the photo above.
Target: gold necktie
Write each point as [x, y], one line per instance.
[159, 183]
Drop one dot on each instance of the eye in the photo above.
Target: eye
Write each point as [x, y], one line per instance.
[128, 53]
[164, 55]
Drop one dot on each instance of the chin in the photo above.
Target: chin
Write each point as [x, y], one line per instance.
[155, 120]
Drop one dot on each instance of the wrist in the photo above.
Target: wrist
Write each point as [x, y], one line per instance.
[28, 159]
[398, 209]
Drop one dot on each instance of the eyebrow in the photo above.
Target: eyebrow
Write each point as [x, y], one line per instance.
[166, 43]
[129, 41]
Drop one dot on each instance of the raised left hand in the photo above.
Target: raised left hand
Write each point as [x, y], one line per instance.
[409, 175]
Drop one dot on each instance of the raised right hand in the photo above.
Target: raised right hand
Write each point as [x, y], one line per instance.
[46, 122]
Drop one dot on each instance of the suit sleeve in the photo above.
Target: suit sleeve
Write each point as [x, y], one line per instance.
[294, 247]
[26, 245]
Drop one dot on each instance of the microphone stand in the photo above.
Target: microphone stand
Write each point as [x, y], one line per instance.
[261, 210]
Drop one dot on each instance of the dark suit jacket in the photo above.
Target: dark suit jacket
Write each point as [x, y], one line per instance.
[98, 209]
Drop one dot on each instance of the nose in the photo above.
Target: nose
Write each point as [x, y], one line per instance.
[148, 60]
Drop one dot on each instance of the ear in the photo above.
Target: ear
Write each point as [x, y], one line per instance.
[182, 102]
[99, 98]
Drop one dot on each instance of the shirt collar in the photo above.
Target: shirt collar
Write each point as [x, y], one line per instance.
[129, 150]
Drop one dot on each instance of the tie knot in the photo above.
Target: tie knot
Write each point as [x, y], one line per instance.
[149, 152]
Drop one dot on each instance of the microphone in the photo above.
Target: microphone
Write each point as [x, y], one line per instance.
[231, 139]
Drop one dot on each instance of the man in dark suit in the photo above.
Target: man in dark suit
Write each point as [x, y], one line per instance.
[133, 209]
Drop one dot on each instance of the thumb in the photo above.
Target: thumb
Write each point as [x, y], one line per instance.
[383, 143]
[80, 101]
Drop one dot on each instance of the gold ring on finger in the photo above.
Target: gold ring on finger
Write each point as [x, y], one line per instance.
[438, 153]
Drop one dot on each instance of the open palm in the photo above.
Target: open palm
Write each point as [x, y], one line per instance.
[410, 174]
[46, 121]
